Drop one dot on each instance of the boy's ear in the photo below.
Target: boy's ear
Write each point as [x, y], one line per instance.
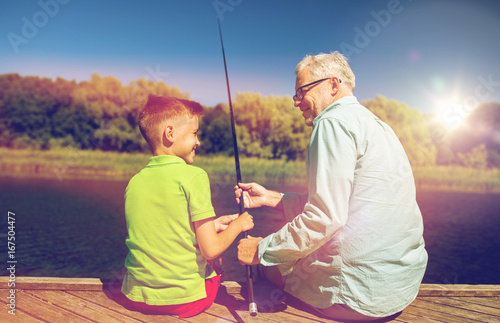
[168, 133]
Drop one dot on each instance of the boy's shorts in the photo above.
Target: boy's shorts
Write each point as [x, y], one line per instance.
[187, 309]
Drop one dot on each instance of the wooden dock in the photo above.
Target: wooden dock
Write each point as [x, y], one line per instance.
[95, 300]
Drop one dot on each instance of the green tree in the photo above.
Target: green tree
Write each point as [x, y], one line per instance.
[274, 128]
[476, 158]
[480, 128]
[42, 113]
[215, 131]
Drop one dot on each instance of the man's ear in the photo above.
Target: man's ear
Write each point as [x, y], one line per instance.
[335, 85]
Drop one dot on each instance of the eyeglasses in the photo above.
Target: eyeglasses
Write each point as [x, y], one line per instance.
[299, 93]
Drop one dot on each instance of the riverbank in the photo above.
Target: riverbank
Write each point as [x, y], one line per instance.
[69, 163]
[73, 163]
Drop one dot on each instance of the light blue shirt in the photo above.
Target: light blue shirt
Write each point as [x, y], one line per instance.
[356, 238]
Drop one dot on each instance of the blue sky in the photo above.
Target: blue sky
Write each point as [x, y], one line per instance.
[427, 54]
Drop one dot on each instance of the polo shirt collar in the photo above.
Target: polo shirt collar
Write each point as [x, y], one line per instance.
[164, 160]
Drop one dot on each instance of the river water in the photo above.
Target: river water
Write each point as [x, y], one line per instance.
[76, 228]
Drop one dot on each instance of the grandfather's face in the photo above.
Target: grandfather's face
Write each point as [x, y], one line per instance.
[316, 98]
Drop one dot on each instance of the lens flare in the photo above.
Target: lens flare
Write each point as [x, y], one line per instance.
[453, 114]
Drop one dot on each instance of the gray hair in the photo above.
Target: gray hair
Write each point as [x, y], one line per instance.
[328, 65]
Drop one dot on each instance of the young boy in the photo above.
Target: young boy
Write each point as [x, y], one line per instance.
[170, 218]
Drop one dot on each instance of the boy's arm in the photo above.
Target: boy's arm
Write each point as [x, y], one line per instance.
[222, 222]
[213, 244]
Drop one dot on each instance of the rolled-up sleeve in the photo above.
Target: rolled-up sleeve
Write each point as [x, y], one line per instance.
[331, 165]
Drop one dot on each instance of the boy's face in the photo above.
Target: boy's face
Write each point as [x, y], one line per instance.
[186, 139]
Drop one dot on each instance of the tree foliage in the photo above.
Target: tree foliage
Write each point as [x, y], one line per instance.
[101, 114]
[266, 127]
[98, 114]
[270, 127]
[479, 134]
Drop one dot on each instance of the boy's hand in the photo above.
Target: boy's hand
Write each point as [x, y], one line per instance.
[222, 222]
[245, 221]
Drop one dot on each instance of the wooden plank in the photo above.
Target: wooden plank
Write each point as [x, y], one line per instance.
[234, 307]
[408, 317]
[270, 299]
[486, 301]
[53, 283]
[42, 310]
[272, 303]
[279, 303]
[460, 314]
[223, 311]
[302, 310]
[472, 311]
[19, 316]
[116, 302]
[81, 306]
[423, 309]
[458, 290]
[96, 299]
[206, 318]
[231, 287]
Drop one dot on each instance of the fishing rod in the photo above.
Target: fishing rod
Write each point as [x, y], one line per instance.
[252, 306]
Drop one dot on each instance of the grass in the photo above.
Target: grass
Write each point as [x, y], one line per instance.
[458, 178]
[71, 163]
[254, 169]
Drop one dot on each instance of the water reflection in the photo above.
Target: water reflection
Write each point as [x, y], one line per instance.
[76, 228]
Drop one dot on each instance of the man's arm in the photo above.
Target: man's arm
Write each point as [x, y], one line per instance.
[332, 160]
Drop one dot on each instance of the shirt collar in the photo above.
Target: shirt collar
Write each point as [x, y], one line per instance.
[164, 160]
[351, 99]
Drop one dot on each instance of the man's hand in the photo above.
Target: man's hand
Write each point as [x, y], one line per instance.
[222, 222]
[248, 251]
[254, 195]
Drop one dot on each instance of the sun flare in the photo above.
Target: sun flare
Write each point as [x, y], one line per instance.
[452, 113]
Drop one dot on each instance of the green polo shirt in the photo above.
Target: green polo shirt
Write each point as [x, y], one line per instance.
[164, 266]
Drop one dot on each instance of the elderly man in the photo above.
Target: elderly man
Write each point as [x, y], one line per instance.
[353, 247]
